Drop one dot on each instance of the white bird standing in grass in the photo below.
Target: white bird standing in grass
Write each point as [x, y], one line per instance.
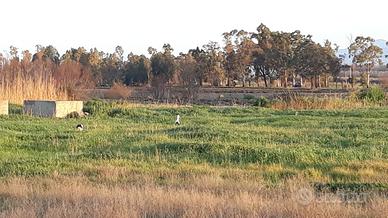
[178, 120]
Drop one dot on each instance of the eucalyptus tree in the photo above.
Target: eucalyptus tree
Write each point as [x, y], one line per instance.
[365, 55]
[189, 70]
[230, 59]
[163, 67]
[309, 60]
[332, 62]
[95, 60]
[261, 55]
[48, 53]
[112, 66]
[213, 67]
[201, 59]
[245, 48]
[137, 70]
[163, 64]
[280, 55]
[26, 62]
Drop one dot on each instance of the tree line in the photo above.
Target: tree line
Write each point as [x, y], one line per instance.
[260, 58]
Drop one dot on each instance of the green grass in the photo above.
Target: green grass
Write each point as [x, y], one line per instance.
[344, 146]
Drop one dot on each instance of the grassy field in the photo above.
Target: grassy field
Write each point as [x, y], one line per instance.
[224, 150]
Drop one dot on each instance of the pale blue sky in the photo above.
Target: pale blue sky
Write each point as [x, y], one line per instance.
[135, 25]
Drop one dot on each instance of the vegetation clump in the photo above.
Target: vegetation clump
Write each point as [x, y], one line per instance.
[373, 94]
[262, 102]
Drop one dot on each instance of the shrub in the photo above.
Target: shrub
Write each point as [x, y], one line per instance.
[262, 102]
[249, 97]
[118, 112]
[96, 107]
[118, 91]
[15, 109]
[73, 114]
[373, 94]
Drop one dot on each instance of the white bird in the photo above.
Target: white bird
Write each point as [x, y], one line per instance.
[178, 120]
[80, 127]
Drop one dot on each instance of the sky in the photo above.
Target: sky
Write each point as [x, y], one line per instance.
[185, 24]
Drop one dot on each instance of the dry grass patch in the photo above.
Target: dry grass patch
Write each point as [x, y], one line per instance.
[118, 91]
[296, 102]
[206, 197]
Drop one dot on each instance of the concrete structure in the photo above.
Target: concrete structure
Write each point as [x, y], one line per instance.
[52, 108]
[3, 107]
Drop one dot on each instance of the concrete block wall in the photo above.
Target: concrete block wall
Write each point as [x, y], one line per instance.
[63, 108]
[52, 108]
[39, 108]
[3, 107]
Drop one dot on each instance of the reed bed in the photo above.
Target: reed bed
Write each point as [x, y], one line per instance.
[22, 88]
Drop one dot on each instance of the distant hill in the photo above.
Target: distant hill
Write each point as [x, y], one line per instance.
[343, 53]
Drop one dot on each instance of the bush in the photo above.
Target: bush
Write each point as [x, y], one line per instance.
[262, 102]
[118, 112]
[96, 107]
[15, 109]
[118, 91]
[372, 94]
[73, 114]
[249, 97]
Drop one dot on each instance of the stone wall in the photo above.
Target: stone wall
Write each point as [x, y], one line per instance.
[3, 107]
[52, 108]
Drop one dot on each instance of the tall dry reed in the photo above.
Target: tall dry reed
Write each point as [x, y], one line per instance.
[38, 87]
